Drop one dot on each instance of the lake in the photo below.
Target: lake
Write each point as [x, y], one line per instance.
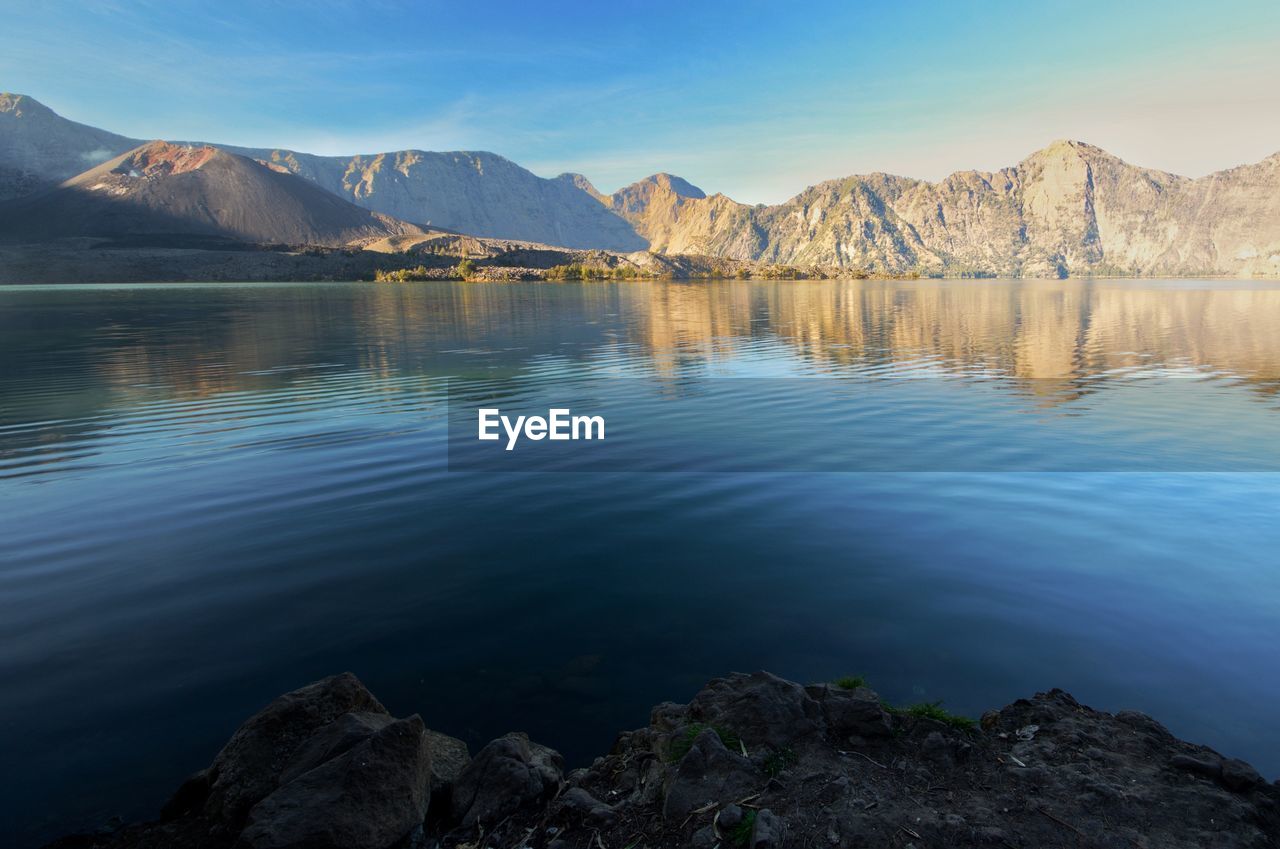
[963, 490]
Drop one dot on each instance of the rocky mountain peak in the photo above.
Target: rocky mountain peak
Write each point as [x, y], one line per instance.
[659, 190]
[39, 148]
[1060, 150]
[675, 185]
[21, 105]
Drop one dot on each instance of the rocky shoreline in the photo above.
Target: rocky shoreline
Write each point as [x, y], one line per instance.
[752, 761]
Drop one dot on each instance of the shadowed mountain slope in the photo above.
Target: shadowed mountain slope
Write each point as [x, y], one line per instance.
[39, 148]
[163, 189]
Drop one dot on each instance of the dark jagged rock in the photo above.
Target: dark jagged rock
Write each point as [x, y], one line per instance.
[449, 757]
[1231, 773]
[250, 765]
[852, 715]
[368, 797]
[189, 798]
[709, 773]
[508, 774]
[768, 831]
[825, 766]
[761, 708]
[591, 810]
[805, 766]
[334, 739]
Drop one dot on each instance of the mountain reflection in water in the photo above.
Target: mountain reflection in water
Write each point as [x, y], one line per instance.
[210, 494]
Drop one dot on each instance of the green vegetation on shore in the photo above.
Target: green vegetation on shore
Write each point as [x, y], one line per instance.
[402, 275]
[934, 711]
[583, 271]
[464, 270]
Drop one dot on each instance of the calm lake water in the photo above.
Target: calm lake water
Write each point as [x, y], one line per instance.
[211, 494]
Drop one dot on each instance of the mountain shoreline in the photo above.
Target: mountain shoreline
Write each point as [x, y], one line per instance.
[1068, 210]
[751, 761]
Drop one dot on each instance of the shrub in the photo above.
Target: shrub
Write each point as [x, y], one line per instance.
[850, 682]
[401, 275]
[578, 271]
[935, 711]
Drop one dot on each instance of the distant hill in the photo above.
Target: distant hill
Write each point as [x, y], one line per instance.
[39, 148]
[167, 190]
[1069, 209]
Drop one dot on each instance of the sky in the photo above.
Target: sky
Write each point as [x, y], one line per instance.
[756, 100]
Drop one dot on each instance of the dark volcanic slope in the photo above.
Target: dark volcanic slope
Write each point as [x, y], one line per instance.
[163, 189]
[39, 148]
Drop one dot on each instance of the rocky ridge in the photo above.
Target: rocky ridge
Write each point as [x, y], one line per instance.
[1069, 209]
[752, 761]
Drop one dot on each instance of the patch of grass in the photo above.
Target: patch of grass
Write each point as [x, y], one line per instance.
[935, 711]
[779, 760]
[681, 746]
[850, 682]
[740, 834]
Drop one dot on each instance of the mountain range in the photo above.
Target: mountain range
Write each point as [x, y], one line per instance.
[1068, 209]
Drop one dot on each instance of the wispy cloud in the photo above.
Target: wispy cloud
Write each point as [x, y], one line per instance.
[756, 103]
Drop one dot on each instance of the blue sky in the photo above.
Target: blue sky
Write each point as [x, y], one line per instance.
[756, 100]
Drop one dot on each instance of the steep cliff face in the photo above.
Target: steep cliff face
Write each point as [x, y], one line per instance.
[1068, 209]
[39, 148]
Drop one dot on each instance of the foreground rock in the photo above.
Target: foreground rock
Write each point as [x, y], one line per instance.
[751, 761]
[507, 775]
[322, 767]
